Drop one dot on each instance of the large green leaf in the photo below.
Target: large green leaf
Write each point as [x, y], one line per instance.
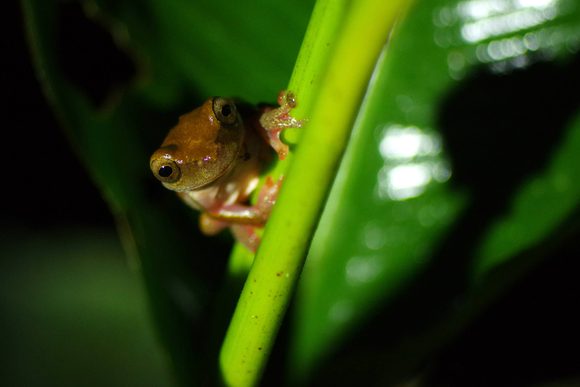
[437, 187]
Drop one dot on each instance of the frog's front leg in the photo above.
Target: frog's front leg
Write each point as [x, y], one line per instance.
[275, 120]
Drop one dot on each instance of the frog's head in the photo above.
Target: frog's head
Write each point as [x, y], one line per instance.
[203, 146]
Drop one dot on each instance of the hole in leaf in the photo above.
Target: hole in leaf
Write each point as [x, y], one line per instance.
[88, 55]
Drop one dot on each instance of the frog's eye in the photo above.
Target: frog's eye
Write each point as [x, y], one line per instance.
[225, 111]
[166, 171]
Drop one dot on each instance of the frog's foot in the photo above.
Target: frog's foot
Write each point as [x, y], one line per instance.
[276, 143]
[274, 121]
[246, 235]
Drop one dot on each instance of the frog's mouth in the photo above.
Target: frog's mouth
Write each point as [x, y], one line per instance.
[214, 174]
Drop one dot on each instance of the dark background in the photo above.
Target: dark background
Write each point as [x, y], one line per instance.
[44, 184]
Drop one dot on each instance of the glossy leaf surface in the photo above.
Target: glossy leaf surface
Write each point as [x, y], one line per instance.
[437, 188]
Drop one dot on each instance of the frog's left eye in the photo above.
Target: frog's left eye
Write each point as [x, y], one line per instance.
[225, 111]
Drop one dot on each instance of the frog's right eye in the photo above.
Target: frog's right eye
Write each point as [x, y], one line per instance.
[166, 171]
[225, 110]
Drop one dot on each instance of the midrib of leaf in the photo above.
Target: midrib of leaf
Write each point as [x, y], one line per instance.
[341, 46]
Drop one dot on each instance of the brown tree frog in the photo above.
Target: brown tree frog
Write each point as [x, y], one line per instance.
[213, 159]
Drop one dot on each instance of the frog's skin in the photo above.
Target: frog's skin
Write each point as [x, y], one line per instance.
[213, 159]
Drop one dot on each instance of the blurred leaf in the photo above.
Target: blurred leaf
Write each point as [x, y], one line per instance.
[73, 314]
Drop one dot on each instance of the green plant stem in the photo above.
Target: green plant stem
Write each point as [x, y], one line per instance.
[305, 82]
[344, 76]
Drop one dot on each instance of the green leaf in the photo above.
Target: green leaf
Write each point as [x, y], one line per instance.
[402, 237]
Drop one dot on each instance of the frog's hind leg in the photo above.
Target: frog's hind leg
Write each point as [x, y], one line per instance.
[255, 215]
[245, 234]
[243, 220]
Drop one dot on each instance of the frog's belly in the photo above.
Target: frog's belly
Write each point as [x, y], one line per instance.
[204, 199]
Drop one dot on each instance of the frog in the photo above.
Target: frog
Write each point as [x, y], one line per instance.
[213, 159]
